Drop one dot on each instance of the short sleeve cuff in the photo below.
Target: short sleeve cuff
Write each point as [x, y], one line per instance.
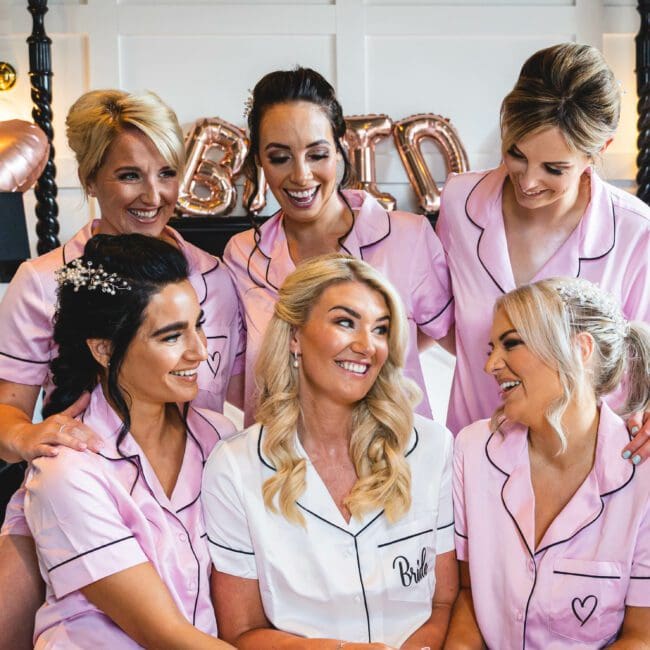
[77, 572]
[235, 562]
[638, 591]
[445, 538]
[461, 547]
[22, 371]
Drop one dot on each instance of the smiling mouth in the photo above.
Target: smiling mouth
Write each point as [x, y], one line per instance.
[531, 195]
[302, 198]
[186, 374]
[144, 215]
[355, 368]
[508, 386]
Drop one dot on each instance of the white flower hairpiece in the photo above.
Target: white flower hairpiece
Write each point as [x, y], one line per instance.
[86, 275]
[248, 105]
[588, 294]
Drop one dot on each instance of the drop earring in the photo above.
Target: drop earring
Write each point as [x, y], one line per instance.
[295, 363]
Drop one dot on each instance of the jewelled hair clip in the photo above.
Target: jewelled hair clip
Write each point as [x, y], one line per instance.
[248, 105]
[586, 294]
[86, 275]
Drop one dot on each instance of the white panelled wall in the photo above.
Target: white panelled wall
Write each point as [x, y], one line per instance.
[457, 58]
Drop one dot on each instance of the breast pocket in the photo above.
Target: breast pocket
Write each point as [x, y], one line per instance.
[408, 561]
[588, 599]
[211, 371]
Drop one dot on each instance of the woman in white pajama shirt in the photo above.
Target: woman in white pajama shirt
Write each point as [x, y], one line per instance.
[330, 521]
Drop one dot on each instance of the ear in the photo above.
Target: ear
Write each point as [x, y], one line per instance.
[101, 350]
[604, 147]
[90, 186]
[585, 343]
[294, 343]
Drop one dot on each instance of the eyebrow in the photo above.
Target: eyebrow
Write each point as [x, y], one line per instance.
[356, 314]
[172, 327]
[504, 334]
[278, 145]
[557, 163]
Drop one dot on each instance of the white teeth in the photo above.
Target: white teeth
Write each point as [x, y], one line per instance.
[144, 214]
[506, 385]
[358, 368]
[183, 373]
[304, 194]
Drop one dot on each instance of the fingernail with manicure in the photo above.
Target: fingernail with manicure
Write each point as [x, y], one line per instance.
[634, 430]
[626, 454]
[636, 459]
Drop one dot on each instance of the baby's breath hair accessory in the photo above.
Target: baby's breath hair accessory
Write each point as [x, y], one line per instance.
[248, 105]
[585, 294]
[80, 274]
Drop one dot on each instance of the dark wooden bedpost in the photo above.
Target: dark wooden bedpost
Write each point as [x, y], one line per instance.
[40, 74]
[643, 107]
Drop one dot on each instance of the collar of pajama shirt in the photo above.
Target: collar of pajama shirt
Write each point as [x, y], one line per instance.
[593, 560]
[609, 246]
[93, 515]
[400, 245]
[27, 309]
[367, 580]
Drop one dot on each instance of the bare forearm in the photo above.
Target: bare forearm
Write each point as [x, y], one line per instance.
[464, 633]
[13, 422]
[268, 638]
[433, 632]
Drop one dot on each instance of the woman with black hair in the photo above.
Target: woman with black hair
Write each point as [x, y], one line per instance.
[296, 125]
[119, 533]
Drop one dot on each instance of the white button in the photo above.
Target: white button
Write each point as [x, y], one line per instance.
[191, 584]
[357, 599]
[518, 615]
[531, 565]
[182, 537]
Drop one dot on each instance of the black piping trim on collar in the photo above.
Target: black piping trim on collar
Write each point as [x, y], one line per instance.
[440, 313]
[209, 423]
[205, 284]
[11, 356]
[451, 523]
[227, 548]
[386, 236]
[257, 238]
[92, 550]
[611, 248]
[639, 577]
[478, 243]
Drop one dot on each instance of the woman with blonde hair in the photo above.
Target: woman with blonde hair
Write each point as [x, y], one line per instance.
[547, 515]
[129, 150]
[543, 212]
[330, 520]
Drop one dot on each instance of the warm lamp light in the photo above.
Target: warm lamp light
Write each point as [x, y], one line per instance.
[7, 76]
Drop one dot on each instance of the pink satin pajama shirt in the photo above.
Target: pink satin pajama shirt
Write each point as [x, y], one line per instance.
[93, 515]
[593, 561]
[610, 247]
[402, 246]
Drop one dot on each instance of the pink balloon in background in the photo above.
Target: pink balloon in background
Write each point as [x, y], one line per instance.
[24, 151]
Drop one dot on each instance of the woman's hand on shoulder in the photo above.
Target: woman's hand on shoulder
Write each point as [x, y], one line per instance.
[30, 441]
[638, 449]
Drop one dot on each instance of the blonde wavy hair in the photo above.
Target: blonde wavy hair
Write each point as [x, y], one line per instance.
[99, 116]
[550, 313]
[382, 421]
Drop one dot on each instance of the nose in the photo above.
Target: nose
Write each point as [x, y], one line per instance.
[151, 192]
[528, 179]
[494, 362]
[197, 349]
[363, 343]
[301, 171]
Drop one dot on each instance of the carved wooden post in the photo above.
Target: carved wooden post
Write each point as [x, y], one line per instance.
[40, 74]
[643, 107]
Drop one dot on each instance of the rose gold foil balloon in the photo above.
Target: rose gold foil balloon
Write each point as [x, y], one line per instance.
[23, 153]
[362, 134]
[215, 153]
[259, 202]
[408, 134]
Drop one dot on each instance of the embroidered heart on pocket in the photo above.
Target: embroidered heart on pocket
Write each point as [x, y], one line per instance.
[214, 362]
[584, 608]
